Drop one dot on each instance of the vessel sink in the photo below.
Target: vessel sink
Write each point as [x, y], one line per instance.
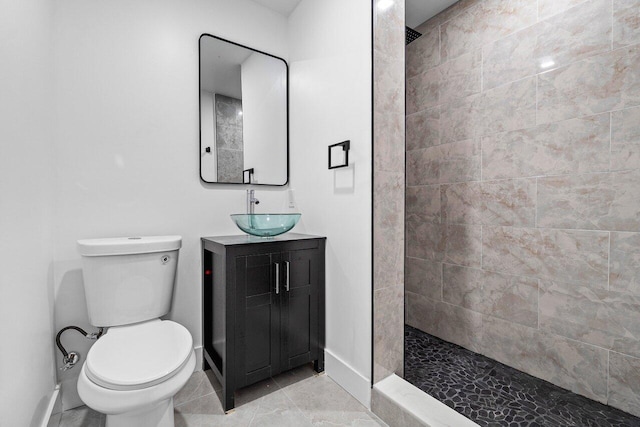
[265, 224]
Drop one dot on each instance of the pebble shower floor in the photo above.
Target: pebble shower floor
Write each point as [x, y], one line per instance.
[493, 394]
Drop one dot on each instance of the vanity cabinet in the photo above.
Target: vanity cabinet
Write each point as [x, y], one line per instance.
[263, 307]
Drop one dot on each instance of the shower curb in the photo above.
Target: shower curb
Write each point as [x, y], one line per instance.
[399, 403]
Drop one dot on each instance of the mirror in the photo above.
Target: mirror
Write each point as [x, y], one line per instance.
[244, 114]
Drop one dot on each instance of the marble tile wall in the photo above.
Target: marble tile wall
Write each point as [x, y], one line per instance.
[523, 188]
[229, 141]
[389, 187]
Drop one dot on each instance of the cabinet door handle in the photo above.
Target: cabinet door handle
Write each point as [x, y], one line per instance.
[277, 264]
[286, 263]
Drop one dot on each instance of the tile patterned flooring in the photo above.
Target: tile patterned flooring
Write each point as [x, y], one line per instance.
[297, 398]
[493, 394]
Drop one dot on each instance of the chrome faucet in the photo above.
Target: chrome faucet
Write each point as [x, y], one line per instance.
[251, 201]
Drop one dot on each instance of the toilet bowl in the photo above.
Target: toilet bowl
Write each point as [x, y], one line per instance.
[132, 373]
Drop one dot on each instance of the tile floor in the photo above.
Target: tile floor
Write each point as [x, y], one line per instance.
[297, 398]
[493, 394]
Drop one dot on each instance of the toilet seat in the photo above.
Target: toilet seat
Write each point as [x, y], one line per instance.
[139, 356]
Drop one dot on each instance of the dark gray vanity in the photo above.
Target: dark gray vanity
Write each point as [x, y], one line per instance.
[263, 307]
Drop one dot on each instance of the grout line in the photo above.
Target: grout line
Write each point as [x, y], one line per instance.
[538, 303]
[482, 69]
[612, 24]
[481, 247]
[195, 398]
[608, 374]
[535, 206]
[610, 140]
[537, 86]
[440, 44]
[609, 264]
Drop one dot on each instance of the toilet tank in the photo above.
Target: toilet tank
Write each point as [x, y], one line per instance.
[128, 279]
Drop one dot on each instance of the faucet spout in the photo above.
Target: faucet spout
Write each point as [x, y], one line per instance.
[251, 201]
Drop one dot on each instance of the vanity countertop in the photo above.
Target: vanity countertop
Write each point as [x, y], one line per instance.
[243, 239]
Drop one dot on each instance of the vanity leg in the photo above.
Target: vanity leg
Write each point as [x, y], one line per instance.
[318, 365]
[228, 400]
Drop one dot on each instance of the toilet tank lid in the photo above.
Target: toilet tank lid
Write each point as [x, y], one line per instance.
[128, 245]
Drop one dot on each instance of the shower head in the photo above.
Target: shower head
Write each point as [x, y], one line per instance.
[410, 35]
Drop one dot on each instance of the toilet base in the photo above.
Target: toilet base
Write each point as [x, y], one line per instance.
[158, 415]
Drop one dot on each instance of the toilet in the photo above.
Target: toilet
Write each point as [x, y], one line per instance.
[135, 368]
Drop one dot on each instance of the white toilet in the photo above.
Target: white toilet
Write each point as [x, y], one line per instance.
[133, 371]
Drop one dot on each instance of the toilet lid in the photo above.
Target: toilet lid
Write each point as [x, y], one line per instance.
[139, 356]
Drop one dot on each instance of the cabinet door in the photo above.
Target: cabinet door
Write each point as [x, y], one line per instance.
[300, 308]
[257, 317]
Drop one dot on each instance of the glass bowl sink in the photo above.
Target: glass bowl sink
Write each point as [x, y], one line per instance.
[266, 225]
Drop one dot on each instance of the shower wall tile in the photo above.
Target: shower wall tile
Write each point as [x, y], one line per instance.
[423, 203]
[453, 162]
[504, 202]
[507, 297]
[625, 139]
[424, 277]
[624, 269]
[423, 54]
[388, 191]
[449, 13]
[483, 23]
[388, 350]
[567, 147]
[575, 34]
[388, 229]
[605, 201]
[563, 255]
[463, 245]
[458, 119]
[607, 319]
[609, 81]
[449, 322]
[389, 154]
[388, 30]
[454, 244]
[423, 129]
[423, 91]
[624, 383]
[388, 91]
[575, 366]
[508, 107]
[425, 240]
[626, 22]
[533, 159]
[547, 8]
[460, 77]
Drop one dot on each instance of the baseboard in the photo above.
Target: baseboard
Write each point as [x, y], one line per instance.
[53, 407]
[348, 378]
[199, 358]
[398, 402]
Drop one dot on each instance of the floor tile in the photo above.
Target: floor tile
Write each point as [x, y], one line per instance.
[297, 398]
[82, 417]
[493, 394]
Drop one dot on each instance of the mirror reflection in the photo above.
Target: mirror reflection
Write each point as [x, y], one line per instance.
[243, 114]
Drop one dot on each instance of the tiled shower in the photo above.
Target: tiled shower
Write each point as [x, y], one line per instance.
[523, 188]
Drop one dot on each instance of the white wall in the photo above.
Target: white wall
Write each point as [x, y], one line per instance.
[27, 375]
[127, 157]
[330, 87]
[264, 113]
[208, 163]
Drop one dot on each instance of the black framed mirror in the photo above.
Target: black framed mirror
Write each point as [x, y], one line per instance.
[244, 114]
